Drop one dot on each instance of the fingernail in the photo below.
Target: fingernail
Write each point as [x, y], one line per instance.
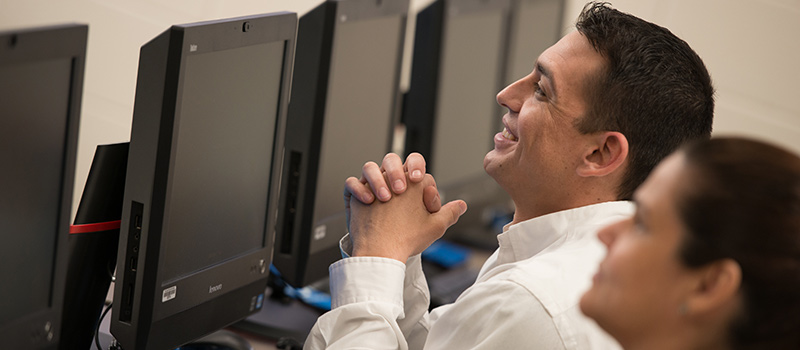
[367, 198]
[383, 193]
[398, 185]
[416, 174]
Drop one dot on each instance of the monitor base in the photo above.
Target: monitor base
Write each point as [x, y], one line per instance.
[219, 340]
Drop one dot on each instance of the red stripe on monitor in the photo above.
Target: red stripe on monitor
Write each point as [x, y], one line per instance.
[96, 227]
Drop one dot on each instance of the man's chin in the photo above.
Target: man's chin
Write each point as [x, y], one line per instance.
[492, 165]
[493, 160]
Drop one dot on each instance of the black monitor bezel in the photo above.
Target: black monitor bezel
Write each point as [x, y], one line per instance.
[151, 323]
[34, 44]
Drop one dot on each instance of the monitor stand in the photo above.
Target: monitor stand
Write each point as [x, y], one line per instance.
[219, 340]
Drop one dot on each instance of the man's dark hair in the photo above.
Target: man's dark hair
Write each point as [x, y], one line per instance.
[655, 89]
[741, 201]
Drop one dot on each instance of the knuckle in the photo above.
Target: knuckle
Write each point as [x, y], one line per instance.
[416, 157]
[389, 157]
[368, 166]
[351, 182]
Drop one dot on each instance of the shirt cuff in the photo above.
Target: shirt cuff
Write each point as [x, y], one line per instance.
[346, 249]
[367, 279]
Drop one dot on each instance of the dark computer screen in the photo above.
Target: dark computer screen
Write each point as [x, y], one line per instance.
[34, 142]
[361, 101]
[41, 75]
[200, 203]
[466, 114]
[343, 112]
[219, 185]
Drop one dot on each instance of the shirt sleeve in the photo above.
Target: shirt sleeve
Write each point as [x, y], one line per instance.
[412, 320]
[416, 301]
[367, 301]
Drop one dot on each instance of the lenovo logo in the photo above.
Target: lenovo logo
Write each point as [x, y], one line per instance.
[213, 289]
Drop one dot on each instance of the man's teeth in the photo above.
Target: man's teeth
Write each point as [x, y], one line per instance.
[508, 135]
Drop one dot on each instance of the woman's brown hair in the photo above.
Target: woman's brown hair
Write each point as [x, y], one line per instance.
[743, 203]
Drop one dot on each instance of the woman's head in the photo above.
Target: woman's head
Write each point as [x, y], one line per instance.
[712, 253]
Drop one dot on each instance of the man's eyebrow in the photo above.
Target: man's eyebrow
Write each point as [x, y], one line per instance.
[542, 70]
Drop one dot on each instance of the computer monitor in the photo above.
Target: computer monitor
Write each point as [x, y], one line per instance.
[450, 112]
[534, 26]
[41, 82]
[343, 112]
[201, 188]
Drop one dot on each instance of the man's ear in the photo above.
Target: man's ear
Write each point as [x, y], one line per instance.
[716, 286]
[607, 153]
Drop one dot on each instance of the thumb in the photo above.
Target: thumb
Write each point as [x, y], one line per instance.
[449, 213]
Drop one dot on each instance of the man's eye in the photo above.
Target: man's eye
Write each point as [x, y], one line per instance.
[538, 90]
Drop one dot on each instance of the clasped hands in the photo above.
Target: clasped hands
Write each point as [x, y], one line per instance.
[407, 216]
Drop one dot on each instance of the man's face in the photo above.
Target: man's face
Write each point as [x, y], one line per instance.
[537, 153]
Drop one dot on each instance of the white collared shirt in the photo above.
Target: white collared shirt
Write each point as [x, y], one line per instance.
[525, 297]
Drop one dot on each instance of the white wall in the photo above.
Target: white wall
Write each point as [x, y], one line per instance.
[750, 47]
[752, 51]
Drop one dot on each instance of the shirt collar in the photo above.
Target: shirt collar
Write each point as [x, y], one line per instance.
[528, 238]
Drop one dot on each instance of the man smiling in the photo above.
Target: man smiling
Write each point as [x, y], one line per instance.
[599, 110]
